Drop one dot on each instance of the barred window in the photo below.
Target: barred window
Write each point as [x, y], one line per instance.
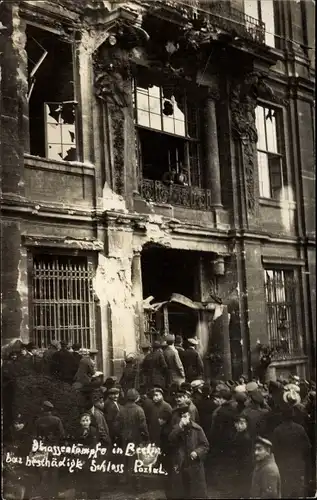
[281, 293]
[62, 300]
[272, 175]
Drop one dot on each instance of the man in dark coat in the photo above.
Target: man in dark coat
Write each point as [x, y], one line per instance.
[256, 414]
[77, 356]
[292, 453]
[134, 430]
[239, 468]
[190, 447]
[62, 363]
[179, 346]
[266, 481]
[159, 417]
[49, 427]
[192, 361]
[176, 373]
[128, 378]
[112, 412]
[154, 367]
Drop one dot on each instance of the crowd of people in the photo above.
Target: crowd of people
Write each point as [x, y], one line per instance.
[242, 439]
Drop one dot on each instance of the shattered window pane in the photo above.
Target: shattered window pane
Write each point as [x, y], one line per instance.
[60, 131]
[159, 109]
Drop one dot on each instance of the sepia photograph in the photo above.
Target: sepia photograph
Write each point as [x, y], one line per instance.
[158, 249]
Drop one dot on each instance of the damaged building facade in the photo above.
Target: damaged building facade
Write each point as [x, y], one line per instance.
[158, 176]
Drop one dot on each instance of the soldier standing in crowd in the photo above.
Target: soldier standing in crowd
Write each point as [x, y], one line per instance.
[189, 447]
[154, 367]
[192, 361]
[266, 481]
[176, 373]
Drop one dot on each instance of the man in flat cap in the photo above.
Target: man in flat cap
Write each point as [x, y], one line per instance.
[189, 449]
[266, 481]
[63, 364]
[49, 427]
[192, 361]
[113, 414]
[159, 416]
[176, 373]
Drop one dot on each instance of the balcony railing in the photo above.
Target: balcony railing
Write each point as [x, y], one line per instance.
[222, 15]
[174, 194]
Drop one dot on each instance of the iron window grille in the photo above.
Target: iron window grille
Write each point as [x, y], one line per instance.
[62, 300]
[272, 174]
[281, 292]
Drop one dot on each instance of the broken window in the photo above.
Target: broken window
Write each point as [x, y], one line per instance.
[168, 133]
[272, 174]
[52, 108]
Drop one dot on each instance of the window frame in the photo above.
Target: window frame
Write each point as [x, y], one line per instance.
[259, 17]
[281, 152]
[295, 333]
[60, 35]
[197, 141]
[91, 260]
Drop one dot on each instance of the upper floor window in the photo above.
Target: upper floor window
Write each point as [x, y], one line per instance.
[52, 108]
[272, 174]
[168, 133]
[263, 10]
[281, 292]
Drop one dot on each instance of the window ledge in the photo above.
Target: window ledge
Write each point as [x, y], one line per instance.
[65, 166]
[270, 202]
[296, 360]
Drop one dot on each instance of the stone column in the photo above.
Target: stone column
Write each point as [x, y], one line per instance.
[137, 291]
[213, 181]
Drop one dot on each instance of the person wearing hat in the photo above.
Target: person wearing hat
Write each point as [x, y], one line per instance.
[256, 413]
[206, 406]
[192, 361]
[183, 397]
[86, 369]
[176, 373]
[292, 452]
[76, 355]
[49, 427]
[134, 430]
[52, 348]
[221, 435]
[179, 346]
[266, 481]
[129, 375]
[113, 414]
[95, 406]
[189, 448]
[63, 364]
[154, 367]
[239, 460]
[196, 386]
[158, 416]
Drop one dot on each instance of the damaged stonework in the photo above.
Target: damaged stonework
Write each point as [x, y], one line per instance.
[113, 287]
[22, 288]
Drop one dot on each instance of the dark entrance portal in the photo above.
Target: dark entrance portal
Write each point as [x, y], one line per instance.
[165, 272]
